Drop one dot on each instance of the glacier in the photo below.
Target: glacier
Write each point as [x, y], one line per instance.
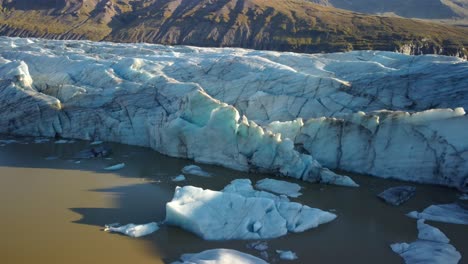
[299, 115]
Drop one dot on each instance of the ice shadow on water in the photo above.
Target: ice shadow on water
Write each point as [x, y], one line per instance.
[144, 203]
[134, 203]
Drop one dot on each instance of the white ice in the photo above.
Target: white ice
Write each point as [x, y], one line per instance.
[7, 141]
[279, 187]
[195, 170]
[227, 215]
[41, 140]
[178, 178]
[115, 167]
[258, 245]
[219, 256]
[286, 254]
[447, 213]
[64, 141]
[432, 247]
[295, 115]
[244, 187]
[133, 230]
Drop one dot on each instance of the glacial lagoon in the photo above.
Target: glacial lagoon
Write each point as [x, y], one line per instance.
[54, 209]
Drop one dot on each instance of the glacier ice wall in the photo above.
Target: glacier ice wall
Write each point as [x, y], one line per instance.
[380, 113]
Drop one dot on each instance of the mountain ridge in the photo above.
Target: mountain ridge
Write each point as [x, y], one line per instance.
[282, 25]
[428, 9]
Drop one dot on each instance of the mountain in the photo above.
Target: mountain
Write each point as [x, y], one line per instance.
[283, 25]
[429, 9]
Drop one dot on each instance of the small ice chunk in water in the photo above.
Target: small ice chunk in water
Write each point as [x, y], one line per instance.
[179, 178]
[94, 152]
[219, 256]
[41, 140]
[133, 230]
[264, 255]
[63, 141]
[432, 247]
[97, 142]
[195, 170]
[463, 197]
[7, 141]
[397, 195]
[115, 167]
[258, 245]
[279, 187]
[286, 254]
[447, 213]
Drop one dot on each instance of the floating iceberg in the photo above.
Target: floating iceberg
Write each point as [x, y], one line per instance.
[286, 254]
[215, 215]
[279, 187]
[219, 256]
[397, 195]
[432, 247]
[195, 170]
[258, 245]
[94, 152]
[41, 140]
[7, 141]
[447, 213]
[64, 141]
[178, 178]
[115, 167]
[295, 115]
[133, 230]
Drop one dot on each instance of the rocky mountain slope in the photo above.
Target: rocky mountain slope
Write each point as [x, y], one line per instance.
[430, 9]
[283, 25]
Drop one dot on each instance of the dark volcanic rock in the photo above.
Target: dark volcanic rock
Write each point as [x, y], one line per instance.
[397, 195]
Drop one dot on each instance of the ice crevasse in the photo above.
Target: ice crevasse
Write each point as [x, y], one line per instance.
[296, 115]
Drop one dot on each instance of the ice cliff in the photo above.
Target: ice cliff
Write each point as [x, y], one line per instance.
[380, 113]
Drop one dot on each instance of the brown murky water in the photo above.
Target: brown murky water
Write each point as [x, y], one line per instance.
[53, 211]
